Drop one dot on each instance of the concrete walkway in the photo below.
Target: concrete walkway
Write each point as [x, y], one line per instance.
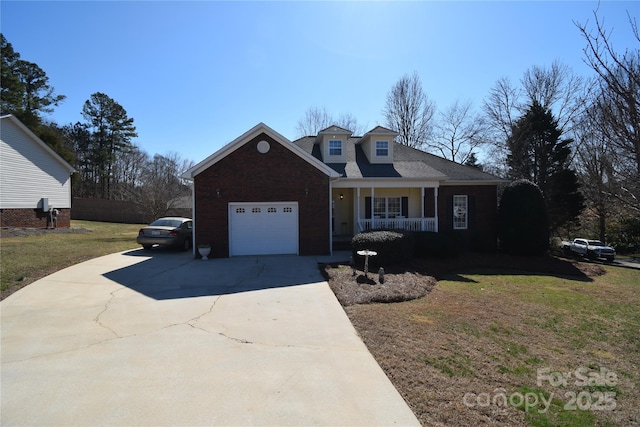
[163, 339]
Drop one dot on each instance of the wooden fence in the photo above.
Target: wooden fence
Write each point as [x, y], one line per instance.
[116, 211]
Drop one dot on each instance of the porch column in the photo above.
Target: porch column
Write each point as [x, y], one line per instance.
[435, 198]
[422, 203]
[358, 208]
[372, 205]
[331, 217]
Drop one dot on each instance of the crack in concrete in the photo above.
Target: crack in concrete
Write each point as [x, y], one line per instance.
[104, 310]
[193, 322]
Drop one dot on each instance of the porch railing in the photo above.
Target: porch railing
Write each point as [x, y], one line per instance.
[410, 224]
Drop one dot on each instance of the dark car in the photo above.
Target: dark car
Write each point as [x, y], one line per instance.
[171, 231]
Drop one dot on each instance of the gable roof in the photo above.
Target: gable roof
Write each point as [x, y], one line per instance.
[378, 130]
[248, 136]
[13, 119]
[335, 129]
[408, 163]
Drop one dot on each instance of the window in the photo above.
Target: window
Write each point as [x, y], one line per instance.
[382, 148]
[287, 210]
[386, 207]
[460, 212]
[256, 210]
[272, 210]
[239, 210]
[335, 147]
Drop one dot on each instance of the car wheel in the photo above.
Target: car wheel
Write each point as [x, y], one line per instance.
[186, 244]
[147, 247]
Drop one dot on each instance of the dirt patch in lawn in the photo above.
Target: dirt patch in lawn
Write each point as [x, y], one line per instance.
[454, 349]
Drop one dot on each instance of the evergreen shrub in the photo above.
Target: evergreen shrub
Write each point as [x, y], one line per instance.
[392, 247]
[523, 222]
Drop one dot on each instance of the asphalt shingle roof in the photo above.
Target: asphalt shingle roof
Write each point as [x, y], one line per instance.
[407, 163]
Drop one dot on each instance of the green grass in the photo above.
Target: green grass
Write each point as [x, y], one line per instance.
[556, 414]
[456, 365]
[26, 259]
[597, 318]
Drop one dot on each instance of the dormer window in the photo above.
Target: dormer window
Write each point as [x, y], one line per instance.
[335, 147]
[382, 148]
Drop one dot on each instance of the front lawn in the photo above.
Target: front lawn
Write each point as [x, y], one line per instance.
[30, 254]
[508, 341]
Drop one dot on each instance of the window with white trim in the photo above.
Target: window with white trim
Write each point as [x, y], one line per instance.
[382, 148]
[387, 207]
[460, 212]
[335, 147]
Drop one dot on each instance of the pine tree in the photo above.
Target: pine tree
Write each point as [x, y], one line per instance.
[111, 132]
[538, 153]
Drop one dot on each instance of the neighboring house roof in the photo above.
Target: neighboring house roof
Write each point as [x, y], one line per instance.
[37, 141]
[407, 163]
[248, 136]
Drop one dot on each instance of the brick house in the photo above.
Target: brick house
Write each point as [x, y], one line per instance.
[34, 179]
[263, 194]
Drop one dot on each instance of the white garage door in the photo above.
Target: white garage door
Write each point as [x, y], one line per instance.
[263, 228]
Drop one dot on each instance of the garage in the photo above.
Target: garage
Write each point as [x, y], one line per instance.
[263, 228]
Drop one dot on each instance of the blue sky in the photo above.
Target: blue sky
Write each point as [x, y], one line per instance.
[195, 75]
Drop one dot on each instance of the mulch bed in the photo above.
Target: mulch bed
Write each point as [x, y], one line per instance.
[418, 278]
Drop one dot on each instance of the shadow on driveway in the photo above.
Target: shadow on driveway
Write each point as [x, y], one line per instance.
[165, 274]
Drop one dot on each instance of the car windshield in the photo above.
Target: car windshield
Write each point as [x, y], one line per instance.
[166, 223]
[595, 243]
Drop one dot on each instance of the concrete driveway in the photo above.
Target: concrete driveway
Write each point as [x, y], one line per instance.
[162, 339]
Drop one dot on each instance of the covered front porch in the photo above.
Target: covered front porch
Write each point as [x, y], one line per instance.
[384, 206]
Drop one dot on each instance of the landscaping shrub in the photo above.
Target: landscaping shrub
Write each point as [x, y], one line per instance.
[438, 245]
[393, 247]
[523, 224]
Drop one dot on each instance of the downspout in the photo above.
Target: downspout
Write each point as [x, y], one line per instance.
[193, 217]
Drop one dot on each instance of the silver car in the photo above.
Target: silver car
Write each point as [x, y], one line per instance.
[170, 231]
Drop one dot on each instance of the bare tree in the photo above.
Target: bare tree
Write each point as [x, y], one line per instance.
[503, 107]
[315, 119]
[555, 88]
[619, 90]
[350, 122]
[458, 132]
[129, 168]
[409, 111]
[162, 185]
[595, 162]
[558, 89]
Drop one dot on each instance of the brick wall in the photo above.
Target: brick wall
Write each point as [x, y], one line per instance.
[481, 233]
[247, 175]
[32, 218]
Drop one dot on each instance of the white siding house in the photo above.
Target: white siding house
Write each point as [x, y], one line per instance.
[31, 171]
